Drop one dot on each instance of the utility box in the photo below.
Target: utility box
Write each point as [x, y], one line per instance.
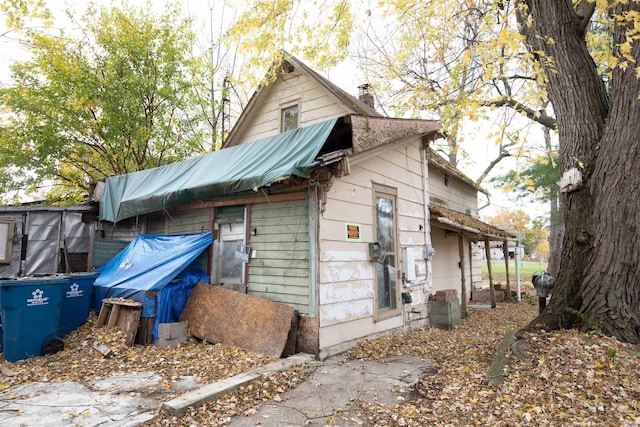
[444, 314]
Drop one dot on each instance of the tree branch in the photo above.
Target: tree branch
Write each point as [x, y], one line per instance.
[535, 115]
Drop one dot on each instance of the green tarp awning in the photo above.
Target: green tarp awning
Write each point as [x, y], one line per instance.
[227, 171]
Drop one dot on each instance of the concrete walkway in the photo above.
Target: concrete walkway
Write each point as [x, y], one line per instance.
[331, 392]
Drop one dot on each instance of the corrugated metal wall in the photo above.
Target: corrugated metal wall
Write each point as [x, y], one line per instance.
[280, 269]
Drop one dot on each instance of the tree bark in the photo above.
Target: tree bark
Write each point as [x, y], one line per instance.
[599, 272]
[556, 227]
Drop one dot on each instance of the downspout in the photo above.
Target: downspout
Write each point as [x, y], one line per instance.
[314, 250]
[428, 284]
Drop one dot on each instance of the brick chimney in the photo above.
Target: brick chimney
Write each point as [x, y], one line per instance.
[365, 95]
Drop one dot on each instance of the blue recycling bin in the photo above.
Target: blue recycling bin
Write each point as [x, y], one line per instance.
[76, 301]
[30, 310]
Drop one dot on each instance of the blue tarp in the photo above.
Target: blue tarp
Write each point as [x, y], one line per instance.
[230, 170]
[148, 263]
[173, 297]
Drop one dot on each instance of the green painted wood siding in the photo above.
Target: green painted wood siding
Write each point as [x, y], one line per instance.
[280, 269]
[179, 222]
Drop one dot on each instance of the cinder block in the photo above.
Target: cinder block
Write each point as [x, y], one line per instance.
[446, 295]
[173, 330]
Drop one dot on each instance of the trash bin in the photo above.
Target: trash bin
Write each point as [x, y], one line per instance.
[76, 301]
[30, 311]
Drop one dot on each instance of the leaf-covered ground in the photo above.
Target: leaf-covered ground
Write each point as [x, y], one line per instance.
[570, 378]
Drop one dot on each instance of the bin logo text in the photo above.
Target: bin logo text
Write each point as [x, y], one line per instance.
[38, 298]
[74, 291]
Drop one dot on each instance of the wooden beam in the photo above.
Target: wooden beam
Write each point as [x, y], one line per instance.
[492, 291]
[463, 280]
[246, 200]
[505, 251]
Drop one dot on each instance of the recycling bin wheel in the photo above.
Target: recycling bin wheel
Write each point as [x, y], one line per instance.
[52, 346]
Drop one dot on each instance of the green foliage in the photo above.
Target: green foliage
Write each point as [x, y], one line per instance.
[538, 179]
[530, 233]
[575, 315]
[118, 98]
[17, 12]
[317, 31]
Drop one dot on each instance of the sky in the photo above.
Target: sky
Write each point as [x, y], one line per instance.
[208, 13]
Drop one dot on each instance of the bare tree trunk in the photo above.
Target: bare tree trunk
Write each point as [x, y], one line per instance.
[597, 284]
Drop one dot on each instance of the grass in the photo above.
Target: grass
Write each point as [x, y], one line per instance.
[527, 268]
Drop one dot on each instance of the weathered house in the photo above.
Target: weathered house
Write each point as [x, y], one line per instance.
[319, 202]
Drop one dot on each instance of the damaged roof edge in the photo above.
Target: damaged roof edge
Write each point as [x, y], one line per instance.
[370, 132]
[468, 223]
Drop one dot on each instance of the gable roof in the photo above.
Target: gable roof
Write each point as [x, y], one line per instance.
[436, 161]
[350, 102]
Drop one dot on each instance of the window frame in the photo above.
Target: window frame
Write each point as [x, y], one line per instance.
[219, 245]
[381, 190]
[287, 107]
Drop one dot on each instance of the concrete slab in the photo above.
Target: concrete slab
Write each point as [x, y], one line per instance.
[195, 398]
[333, 392]
[331, 395]
[70, 404]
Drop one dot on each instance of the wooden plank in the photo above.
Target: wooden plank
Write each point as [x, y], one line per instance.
[220, 315]
[113, 317]
[102, 317]
[128, 322]
[279, 272]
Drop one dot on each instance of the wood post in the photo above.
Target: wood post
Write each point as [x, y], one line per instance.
[505, 251]
[463, 297]
[492, 291]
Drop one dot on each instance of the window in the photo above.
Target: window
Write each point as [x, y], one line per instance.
[6, 240]
[229, 268]
[289, 118]
[386, 232]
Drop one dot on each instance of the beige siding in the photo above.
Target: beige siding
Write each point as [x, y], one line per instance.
[279, 271]
[347, 278]
[446, 270]
[457, 195]
[315, 105]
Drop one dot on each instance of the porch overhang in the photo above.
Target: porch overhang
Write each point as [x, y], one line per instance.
[467, 225]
